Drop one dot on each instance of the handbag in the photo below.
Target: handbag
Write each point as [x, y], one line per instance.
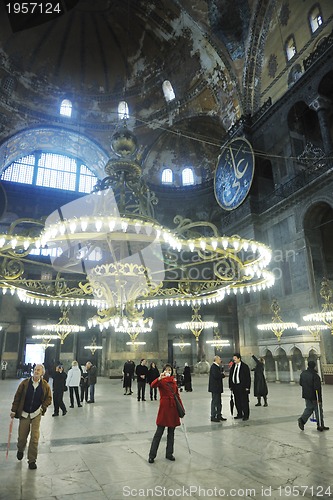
[179, 406]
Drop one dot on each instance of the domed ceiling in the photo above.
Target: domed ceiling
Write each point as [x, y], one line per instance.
[104, 51]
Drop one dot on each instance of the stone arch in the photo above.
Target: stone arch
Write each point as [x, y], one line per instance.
[297, 359]
[325, 88]
[269, 366]
[318, 227]
[304, 127]
[282, 363]
[54, 140]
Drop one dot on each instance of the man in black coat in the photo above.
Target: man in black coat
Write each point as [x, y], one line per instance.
[311, 392]
[240, 384]
[92, 380]
[59, 384]
[142, 374]
[215, 386]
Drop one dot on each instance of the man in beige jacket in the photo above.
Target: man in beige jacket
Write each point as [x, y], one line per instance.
[31, 400]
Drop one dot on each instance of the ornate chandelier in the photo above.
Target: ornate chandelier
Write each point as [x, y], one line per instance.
[110, 252]
[46, 339]
[93, 346]
[313, 329]
[63, 328]
[277, 326]
[326, 314]
[181, 344]
[217, 341]
[196, 325]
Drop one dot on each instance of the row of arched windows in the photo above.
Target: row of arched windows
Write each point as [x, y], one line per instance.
[66, 105]
[52, 171]
[62, 172]
[315, 19]
[187, 176]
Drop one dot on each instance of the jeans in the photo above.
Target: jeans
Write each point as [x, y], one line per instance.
[26, 426]
[92, 392]
[310, 407]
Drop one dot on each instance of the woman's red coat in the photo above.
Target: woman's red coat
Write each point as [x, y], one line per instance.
[167, 415]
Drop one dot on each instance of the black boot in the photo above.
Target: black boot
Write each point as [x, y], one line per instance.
[265, 399]
[258, 404]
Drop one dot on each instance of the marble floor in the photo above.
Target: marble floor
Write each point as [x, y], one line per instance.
[100, 451]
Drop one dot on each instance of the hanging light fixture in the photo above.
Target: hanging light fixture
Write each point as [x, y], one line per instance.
[181, 344]
[115, 251]
[217, 341]
[326, 314]
[63, 328]
[277, 326]
[93, 346]
[313, 329]
[196, 325]
[46, 339]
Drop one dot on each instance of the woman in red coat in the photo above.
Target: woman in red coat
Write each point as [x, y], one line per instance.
[167, 415]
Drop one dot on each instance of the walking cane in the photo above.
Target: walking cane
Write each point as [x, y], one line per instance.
[185, 434]
[319, 416]
[9, 435]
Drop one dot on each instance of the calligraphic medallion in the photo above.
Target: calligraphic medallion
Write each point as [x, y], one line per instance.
[234, 173]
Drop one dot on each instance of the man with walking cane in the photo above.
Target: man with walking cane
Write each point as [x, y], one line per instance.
[311, 392]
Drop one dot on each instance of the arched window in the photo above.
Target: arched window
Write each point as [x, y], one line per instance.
[187, 177]
[290, 47]
[315, 18]
[168, 91]
[167, 176]
[123, 113]
[52, 171]
[66, 107]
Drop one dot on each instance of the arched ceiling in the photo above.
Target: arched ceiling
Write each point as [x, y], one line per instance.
[103, 51]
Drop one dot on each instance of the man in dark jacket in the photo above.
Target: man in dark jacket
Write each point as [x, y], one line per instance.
[240, 384]
[92, 380]
[31, 400]
[142, 374]
[311, 392]
[59, 384]
[215, 386]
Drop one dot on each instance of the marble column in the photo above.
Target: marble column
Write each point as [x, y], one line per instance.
[291, 371]
[323, 108]
[319, 369]
[277, 379]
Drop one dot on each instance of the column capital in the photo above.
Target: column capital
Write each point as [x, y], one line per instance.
[320, 103]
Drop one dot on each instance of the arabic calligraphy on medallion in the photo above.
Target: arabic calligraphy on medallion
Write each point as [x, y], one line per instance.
[234, 173]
